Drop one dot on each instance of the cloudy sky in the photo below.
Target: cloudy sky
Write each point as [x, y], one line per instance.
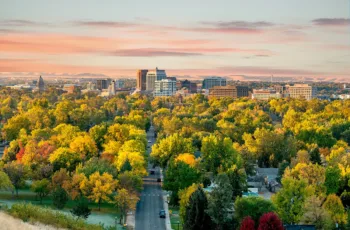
[186, 37]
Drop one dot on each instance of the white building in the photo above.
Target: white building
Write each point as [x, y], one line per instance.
[165, 87]
[265, 94]
[302, 91]
[153, 76]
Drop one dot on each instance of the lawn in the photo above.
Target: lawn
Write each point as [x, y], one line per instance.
[175, 218]
[106, 215]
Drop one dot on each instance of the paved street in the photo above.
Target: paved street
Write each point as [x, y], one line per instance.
[151, 201]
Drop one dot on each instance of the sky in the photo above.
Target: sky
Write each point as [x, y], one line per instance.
[114, 38]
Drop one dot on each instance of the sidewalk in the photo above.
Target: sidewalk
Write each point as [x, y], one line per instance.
[130, 221]
[165, 205]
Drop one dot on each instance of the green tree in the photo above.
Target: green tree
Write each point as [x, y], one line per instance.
[335, 208]
[333, 178]
[130, 181]
[17, 174]
[254, 207]
[220, 202]
[196, 217]
[5, 182]
[41, 188]
[217, 153]
[59, 197]
[179, 175]
[289, 201]
[238, 181]
[97, 133]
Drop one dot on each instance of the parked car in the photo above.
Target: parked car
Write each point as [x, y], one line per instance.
[152, 172]
[159, 180]
[162, 214]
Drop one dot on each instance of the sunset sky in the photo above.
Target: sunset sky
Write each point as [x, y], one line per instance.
[185, 37]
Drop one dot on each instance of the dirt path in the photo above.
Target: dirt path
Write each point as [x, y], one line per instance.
[10, 223]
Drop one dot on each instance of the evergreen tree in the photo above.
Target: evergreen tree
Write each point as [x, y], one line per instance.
[220, 202]
[196, 218]
[59, 198]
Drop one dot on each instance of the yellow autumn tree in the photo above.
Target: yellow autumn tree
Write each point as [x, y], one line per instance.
[85, 146]
[98, 187]
[184, 196]
[136, 160]
[125, 201]
[187, 158]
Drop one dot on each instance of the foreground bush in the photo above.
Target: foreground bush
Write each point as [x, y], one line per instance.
[32, 213]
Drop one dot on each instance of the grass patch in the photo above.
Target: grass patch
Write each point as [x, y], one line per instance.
[25, 195]
[32, 213]
[175, 220]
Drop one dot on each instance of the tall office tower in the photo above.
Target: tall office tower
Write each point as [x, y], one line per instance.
[229, 91]
[41, 84]
[141, 79]
[165, 87]
[302, 91]
[152, 77]
[102, 83]
[210, 82]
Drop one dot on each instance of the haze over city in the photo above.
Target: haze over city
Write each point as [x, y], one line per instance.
[236, 39]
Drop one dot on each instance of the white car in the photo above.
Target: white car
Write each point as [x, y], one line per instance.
[149, 141]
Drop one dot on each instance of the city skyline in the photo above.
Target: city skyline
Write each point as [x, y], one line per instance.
[201, 38]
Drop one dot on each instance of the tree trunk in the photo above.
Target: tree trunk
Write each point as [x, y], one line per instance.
[17, 192]
[99, 205]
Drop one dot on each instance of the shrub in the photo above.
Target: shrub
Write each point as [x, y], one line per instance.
[33, 213]
[81, 209]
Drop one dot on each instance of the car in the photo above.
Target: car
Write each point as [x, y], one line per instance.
[149, 141]
[152, 172]
[159, 180]
[162, 214]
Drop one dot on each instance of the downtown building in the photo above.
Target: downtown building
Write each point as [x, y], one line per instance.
[302, 91]
[191, 86]
[141, 79]
[229, 91]
[210, 82]
[153, 76]
[103, 83]
[165, 87]
[266, 94]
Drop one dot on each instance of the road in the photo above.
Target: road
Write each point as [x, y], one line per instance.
[151, 200]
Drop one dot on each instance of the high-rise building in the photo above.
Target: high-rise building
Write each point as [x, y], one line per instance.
[229, 91]
[191, 86]
[120, 83]
[210, 82]
[102, 83]
[41, 84]
[141, 79]
[302, 91]
[165, 87]
[152, 77]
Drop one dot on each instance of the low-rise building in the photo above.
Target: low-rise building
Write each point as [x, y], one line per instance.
[229, 91]
[265, 94]
[165, 87]
[302, 91]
